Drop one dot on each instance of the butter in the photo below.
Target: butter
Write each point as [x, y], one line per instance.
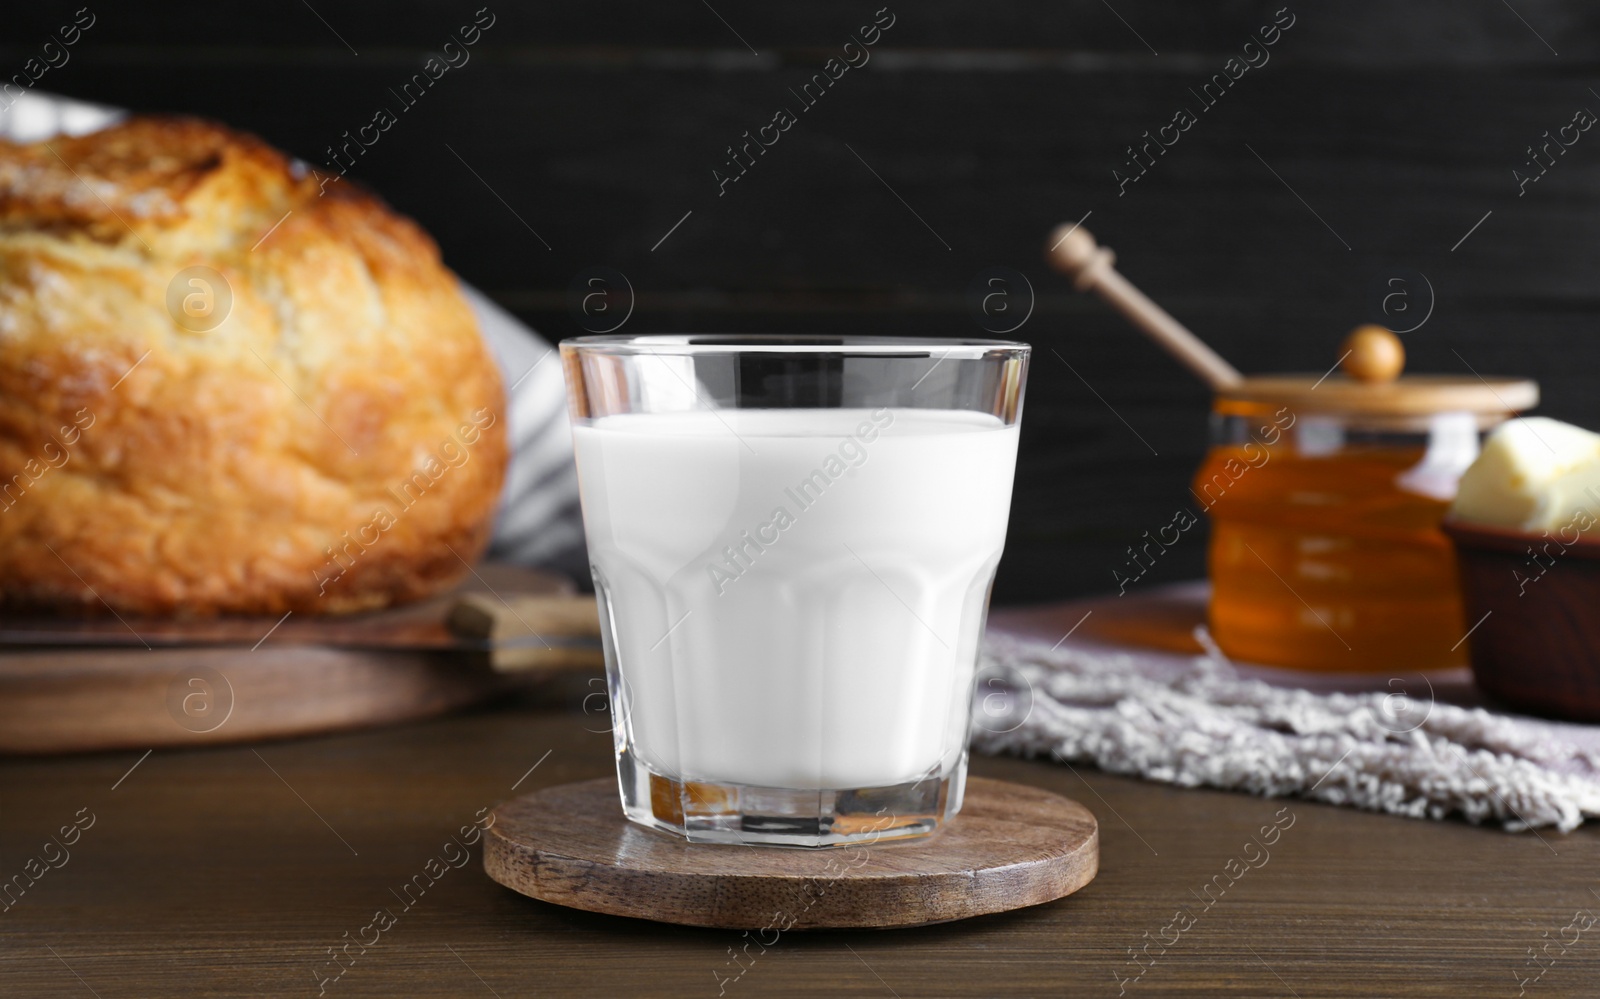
[1533, 474]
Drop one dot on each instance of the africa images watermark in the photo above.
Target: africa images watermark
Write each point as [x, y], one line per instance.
[455, 451]
[1582, 921]
[1582, 120]
[854, 55]
[54, 453]
[200, 699]
[1542, 561]
[1254, 855]
[51, 857]
[348, 149]
[1254, 453]
[453, 855]
[53, 55]
[1254, 55]
[740, 557]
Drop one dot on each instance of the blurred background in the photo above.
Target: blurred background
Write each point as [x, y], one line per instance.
[1371, 162]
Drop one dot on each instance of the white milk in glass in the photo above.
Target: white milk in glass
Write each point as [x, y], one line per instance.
[797, 595]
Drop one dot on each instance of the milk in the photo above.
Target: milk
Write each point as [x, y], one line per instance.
[795, 596]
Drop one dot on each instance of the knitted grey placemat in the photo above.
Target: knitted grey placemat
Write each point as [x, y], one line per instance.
[1200, 724]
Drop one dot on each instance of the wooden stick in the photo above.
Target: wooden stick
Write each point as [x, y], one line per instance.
[1074, 252]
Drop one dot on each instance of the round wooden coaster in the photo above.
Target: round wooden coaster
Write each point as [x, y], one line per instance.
[1011, 846]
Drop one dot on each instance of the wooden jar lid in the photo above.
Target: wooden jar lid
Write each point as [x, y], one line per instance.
[1412, 395]
[1371, 386]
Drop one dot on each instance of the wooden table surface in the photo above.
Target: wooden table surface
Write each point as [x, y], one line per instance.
[233, 871]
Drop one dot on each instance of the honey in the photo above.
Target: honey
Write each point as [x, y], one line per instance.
[1326, 492]
[1328, 561]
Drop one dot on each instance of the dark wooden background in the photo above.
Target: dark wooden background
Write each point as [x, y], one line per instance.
[599, 125]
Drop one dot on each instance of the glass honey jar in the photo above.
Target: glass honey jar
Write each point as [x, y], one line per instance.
[1325, 498]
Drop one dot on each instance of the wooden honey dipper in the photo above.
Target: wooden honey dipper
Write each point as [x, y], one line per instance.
[1074, 252]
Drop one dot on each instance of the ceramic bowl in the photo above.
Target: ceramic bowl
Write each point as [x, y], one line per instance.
[1534, 600]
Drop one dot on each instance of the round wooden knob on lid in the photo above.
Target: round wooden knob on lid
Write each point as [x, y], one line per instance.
[1372, 354]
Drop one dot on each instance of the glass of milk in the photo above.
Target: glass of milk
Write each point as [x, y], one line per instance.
[793, 541]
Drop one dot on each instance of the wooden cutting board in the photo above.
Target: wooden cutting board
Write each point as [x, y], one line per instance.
[73, 686]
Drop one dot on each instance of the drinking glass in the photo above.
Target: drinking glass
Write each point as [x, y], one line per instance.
[793, 540]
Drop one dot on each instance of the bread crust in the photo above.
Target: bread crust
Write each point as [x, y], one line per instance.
[308, 453]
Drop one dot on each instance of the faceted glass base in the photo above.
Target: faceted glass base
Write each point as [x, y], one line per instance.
[709, 812]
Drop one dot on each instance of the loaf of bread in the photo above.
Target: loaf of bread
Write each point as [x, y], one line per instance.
[229, 385]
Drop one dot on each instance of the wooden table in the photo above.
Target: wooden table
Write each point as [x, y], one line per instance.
[233, 871]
